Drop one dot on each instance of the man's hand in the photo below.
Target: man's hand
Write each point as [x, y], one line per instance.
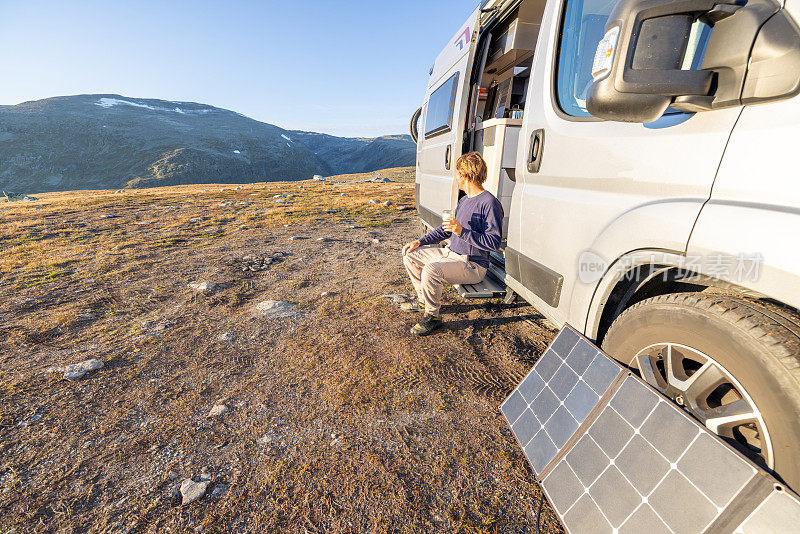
[454, 226]
[410, 247]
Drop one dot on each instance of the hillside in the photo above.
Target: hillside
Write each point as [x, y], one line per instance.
[342, 155]
[325, 417]
[110, 141]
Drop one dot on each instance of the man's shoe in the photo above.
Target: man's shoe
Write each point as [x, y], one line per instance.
[428, 324]
[413, 306]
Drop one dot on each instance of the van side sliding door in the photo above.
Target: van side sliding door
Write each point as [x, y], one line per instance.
[442, 123]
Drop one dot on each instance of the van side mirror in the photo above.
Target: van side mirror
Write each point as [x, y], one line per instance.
[639, 68]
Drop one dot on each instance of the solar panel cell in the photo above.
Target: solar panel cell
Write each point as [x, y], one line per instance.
[611, 432]
[600, 374]
[581, 356]
[563, 381]
[634, 401]
[615, 496]
[540, 450]
[718, 475]
[670, 429]
[564, 343]
[580, 401]
[545, 404]
[587, 460]
[561, 426]
[548, 364]
[563, 487]
[526, 427]
[531, 386]
[513, 407]
[778, 514]
[585, 516]
[644, 521]
[670, 500]
[642, 465]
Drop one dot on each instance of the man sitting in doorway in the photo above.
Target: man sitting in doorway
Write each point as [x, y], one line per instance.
[474, 231]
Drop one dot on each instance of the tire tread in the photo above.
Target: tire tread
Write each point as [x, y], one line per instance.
[772, 326]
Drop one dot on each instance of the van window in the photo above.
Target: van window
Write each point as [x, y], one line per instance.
[439, 118]
[583, 26]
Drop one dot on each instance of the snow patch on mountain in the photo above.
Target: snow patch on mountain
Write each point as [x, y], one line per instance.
[106, 102]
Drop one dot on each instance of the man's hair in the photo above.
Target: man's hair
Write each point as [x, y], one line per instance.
[472, 167]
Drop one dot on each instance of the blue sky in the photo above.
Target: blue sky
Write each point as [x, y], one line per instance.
[347, 68]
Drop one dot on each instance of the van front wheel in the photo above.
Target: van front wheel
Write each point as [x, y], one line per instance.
[731, 362]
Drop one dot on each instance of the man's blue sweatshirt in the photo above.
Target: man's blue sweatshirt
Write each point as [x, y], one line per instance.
[482, 219]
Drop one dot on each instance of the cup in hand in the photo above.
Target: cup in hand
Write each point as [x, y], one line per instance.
[447, 217]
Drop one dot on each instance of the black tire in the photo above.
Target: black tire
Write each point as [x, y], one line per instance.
[757, 343]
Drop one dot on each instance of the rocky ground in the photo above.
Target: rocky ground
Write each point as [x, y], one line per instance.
[250, 374]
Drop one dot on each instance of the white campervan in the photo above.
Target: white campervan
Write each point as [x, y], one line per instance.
[643, 151]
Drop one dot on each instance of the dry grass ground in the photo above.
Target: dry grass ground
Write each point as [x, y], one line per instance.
[339, 420]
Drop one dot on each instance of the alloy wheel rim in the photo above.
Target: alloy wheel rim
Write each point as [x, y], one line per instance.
[706, 390]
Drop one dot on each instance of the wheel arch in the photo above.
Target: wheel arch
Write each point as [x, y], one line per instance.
[642, 274]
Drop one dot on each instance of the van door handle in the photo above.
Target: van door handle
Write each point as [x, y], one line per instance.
[535, 150]
[447, 152]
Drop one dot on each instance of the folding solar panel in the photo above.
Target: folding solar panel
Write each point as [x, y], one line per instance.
[613, 455]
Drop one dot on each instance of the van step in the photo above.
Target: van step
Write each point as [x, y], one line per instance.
[486, 289]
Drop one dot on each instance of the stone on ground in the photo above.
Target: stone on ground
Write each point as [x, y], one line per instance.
[397, 298]
[203, 286]
[77, 370]
[217, 410]
[275, 308]
[191, 490]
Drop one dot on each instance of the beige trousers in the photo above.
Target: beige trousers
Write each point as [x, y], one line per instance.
[431, 267]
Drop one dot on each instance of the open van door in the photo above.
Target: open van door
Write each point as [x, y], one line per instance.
[441, 127]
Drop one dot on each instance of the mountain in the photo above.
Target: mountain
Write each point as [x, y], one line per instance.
[343, 155]
[111, 141]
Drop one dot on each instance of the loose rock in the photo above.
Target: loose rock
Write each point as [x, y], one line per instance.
[77, 370]
[275, 308]
[397, 298]
[203, 286]
[191, 490]
[218, 410]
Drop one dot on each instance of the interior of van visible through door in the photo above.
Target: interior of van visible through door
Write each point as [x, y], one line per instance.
[500, 74]
[498, 94]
